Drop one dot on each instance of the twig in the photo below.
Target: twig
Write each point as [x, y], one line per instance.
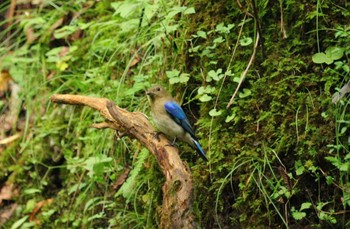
[245, 71]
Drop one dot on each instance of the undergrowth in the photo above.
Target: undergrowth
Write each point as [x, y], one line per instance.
[278, 155]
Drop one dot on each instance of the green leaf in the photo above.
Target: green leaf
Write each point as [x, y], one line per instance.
[298, 215]
[329, 180]
[76, 187]
[343, 130]
[91, 203]
[334, 53]
[201, 90]
[215, 113]
[334, 161]
[30, 205]
[173, 73]
[32, 191]
[215, 75]
[205, 98]
[174, 80]
[189, 10]
[184, 77]
[208, 89]
[320, 58]
[48, 213]
[236, 79]
[218, 40]
[128, 188]
[245, 41]
[175, 77]
[95, 165]
[344, 167]
[124, 9]
[221, 28]
[65, 31]
[300, 170]
[305, 205]
[19, 222]
[230, 118]
[202, 34]
[347, 156]
[246, 92]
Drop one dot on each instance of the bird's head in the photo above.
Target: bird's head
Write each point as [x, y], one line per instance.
[157, 92]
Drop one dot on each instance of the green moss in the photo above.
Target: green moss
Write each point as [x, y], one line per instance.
[282, 116]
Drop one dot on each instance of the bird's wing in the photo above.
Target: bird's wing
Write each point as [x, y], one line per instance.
[179, 116]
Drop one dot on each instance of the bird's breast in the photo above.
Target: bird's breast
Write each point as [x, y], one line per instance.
[166, 124]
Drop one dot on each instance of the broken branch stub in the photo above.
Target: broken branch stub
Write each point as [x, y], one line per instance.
[177, 190]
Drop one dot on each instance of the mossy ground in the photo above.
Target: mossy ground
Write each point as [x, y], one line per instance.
[279, 155]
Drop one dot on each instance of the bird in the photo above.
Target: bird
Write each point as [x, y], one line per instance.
[170, 119]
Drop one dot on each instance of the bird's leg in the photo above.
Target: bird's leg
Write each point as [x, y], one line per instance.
[172, 143]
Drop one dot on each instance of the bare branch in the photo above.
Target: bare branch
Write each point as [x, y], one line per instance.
[177, 190]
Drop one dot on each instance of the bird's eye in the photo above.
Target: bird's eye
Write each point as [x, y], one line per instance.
[158, 88]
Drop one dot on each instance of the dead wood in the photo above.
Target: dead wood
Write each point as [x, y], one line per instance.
[177, 190]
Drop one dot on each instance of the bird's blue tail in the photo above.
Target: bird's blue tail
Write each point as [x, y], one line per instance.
[200, 150]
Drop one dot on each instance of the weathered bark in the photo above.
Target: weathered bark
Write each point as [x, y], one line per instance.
[177, 190]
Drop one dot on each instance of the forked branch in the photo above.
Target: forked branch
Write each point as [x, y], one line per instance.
[177, 190]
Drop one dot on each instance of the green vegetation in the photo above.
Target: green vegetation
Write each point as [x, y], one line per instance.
[278, 155]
